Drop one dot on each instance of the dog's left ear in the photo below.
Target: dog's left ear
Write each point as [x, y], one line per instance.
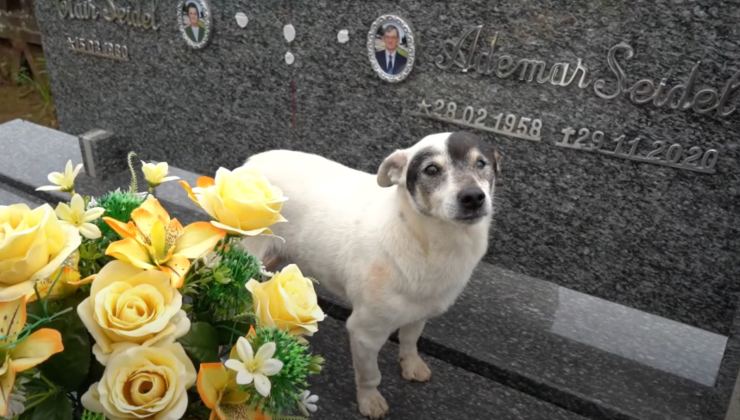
[391, 169]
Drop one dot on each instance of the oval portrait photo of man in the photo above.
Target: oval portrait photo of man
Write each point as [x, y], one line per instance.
[195, 22]
[391, 48]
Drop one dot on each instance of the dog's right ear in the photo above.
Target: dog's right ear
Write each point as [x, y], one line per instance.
[391, 169]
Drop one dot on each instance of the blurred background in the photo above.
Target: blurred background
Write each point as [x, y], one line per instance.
[25, 91]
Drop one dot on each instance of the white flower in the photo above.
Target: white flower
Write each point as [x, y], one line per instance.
[253, 367]
[156, 174]
[64, 182]
[76, 215]
[17, 403]
[308, 403]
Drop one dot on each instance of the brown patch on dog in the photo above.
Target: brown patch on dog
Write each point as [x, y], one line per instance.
[378, 277]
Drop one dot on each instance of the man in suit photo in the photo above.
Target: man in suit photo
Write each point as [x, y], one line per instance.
[389, 59]
[195, 32]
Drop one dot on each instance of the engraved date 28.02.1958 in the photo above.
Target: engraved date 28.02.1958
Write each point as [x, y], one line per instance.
[510, 125]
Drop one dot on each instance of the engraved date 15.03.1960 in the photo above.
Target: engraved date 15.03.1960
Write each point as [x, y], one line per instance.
[661, 153]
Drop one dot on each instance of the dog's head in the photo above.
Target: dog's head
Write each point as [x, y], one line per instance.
[449, 176]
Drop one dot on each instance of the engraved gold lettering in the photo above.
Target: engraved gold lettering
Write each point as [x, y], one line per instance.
[98, 49]
[705, 100]
[684, 91]
[64, 8]
[465, 54]
[535, 67]
[584, 71]
[644, 87]
[135, 15]
[733, 83]
[561, 68]
[506, 66]
[611, 60]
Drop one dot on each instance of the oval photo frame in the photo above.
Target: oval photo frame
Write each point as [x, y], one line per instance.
[395, 63]
[194, 17]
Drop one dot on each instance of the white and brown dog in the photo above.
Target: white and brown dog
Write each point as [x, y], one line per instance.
[399, 246]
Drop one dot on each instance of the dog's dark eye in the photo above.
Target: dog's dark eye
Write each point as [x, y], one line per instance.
[431, 170]
[480, 164]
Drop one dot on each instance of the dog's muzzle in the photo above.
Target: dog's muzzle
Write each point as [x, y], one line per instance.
[470, 202]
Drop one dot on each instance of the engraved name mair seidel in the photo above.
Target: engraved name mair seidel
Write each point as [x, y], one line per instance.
[140, 15]
[467, 54]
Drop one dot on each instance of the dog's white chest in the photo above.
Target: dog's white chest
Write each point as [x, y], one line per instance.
[434, 281]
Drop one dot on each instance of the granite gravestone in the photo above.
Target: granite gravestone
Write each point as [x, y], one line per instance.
[618, 121]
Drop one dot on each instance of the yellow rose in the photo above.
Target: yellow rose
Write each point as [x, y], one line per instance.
[131, 305]
[143, 382]
[33, 244]
[242, 201]
[287, 301]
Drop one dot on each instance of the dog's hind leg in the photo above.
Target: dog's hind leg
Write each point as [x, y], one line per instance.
[413, 368]
[367, 336]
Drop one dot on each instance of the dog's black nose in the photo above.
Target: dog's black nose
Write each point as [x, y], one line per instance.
[471, 198]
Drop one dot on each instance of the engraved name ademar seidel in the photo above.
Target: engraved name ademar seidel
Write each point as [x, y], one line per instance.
[467, 55]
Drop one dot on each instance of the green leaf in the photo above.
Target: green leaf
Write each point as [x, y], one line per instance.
[69, 368]
[201, 342]
[57, 407]
[230, 331]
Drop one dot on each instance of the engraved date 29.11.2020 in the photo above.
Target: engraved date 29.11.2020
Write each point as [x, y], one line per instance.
[660, 152]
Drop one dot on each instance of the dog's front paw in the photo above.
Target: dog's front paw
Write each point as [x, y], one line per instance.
[372, 404]
[413, 368]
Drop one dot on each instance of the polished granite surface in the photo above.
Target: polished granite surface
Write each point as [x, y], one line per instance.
[452, 393]
[24, 139]
[589, 355]
[9, 195]
[579, 352]
[660, 343]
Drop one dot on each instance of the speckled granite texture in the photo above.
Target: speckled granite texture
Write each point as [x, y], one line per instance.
[24, 168]
[593, 357]
[587, 355]
[655, 238]
[452, 393]
[466, 394]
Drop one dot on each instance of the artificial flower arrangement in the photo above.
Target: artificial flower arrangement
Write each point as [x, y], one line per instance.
[110, 308]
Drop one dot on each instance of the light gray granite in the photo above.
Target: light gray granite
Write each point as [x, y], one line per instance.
[34, 151]
[659, 239]
[9, 195]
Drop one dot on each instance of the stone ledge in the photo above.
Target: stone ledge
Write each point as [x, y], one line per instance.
[550, 342]
[452, 393]
[526, 333]
[10, 195]
[49, 150]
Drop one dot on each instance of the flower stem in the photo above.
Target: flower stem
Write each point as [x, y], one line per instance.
[134, 186]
